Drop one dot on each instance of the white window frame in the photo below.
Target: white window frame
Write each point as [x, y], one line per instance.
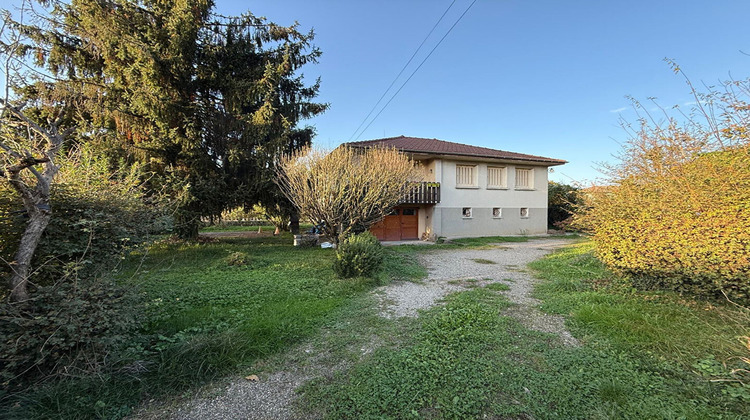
[530, 184]
[470, 211]
[499, 212]
[503, 174]
[521, 212]
[474, 172]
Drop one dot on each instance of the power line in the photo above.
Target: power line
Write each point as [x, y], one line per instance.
[402, 69]
[417, 69]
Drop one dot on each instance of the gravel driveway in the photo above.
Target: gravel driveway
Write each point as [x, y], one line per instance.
[448, 271]
[453, 270]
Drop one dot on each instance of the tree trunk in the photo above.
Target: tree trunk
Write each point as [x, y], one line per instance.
[39, 219]
[187, 224]
[294, 223]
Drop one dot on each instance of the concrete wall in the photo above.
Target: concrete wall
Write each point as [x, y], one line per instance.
[431, 168]
[447, 217]
[426, 216]
[452, 223]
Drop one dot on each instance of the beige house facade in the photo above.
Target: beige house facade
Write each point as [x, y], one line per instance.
[469, 191]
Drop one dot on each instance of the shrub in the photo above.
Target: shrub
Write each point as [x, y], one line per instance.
[10, 226]
[358, 255]
[676, 212]
[70, 328]
[562, 199]
[238, 259]
[76, 316]
[97, 214]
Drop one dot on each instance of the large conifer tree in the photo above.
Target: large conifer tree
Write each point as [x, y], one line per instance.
[209, 102]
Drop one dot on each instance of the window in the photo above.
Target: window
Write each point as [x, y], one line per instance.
[497, 212]
[466, 211]
[409, 212]
[524, 212]
[496, 177]
[466, 176]
[524, 178]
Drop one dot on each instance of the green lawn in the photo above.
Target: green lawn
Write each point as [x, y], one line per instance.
[252, 228]
[211, 309]
[693, 335]
[227, 228]
[467, 360]
[234, 306]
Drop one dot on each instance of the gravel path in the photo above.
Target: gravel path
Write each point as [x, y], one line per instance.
[272, 396]
[453, 270]
[263, 397]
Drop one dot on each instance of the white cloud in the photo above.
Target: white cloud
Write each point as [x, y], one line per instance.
[618, 110]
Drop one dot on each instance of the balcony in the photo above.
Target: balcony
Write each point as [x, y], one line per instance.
[422, 193]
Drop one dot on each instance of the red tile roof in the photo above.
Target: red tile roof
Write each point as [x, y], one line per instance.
[441, 147]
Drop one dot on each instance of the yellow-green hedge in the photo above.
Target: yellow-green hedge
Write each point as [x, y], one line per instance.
[685, 226]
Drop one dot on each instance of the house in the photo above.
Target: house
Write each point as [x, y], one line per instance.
[469, 191]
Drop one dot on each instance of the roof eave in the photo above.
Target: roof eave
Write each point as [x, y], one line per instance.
[544, 162]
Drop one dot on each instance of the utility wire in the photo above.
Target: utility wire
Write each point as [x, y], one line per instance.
[402, 70]
[417, 69]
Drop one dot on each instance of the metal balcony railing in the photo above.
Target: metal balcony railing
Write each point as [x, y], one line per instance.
[423, 193]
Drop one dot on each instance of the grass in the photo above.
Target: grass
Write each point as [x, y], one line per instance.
[253, 228]
[644, 355]
[483, 241]
[401, 263]
[663, 324]
[465, 360]
[211, 309]
[232, 228]
[242, 306]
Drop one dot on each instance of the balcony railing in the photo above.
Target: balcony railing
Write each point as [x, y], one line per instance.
[423, 193]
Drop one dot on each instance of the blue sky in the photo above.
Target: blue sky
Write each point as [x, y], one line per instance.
[539, 77]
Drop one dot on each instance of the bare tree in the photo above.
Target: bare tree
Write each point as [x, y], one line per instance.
[29, 144]
[348, 189]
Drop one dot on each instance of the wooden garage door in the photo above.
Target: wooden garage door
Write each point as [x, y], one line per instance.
[399, 224]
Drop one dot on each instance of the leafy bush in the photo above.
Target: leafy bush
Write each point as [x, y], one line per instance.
[676, 212]
[76, 316]
[358, 255]
[10, 226]
[70, 328]
[562, 200]
[237, 259]
[97, 214]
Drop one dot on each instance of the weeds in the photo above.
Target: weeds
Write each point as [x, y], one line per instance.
[209, 310]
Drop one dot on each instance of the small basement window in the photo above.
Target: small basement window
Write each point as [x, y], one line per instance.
[524, 212]
[466, 211]
[497, 212]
